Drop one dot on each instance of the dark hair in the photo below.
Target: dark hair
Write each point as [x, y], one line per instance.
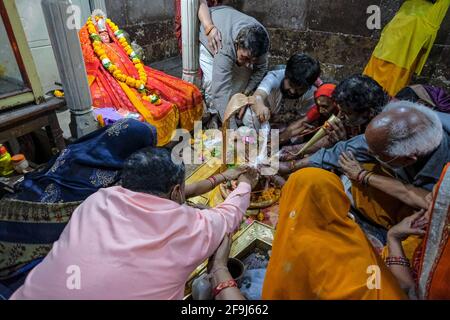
[255, 39]
[360, 93]
[407, 94]
[302, 70]
[151, 170]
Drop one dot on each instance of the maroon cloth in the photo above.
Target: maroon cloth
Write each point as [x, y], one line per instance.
[211, 3]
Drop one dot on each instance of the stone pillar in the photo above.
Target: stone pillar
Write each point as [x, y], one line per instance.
[190, 43]
[98, 4]
[69, 58]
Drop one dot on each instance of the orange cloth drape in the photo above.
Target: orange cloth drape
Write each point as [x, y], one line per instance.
[181, 102]
[390, 76]
[433, 258]
[318, 251]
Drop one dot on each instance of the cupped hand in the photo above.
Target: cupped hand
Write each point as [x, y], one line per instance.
[412, 225]
[250, 176]
[261, 111]
[233, 174]
[336, 132]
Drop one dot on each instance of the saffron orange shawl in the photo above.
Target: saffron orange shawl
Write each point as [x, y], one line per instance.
[319, 252]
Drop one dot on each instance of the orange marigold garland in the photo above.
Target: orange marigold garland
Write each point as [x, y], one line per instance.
[97, 43]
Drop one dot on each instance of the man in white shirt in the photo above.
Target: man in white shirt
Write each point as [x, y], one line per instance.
[290, 88]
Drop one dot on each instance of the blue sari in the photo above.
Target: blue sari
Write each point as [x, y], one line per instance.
[32, 219]
[91, 163]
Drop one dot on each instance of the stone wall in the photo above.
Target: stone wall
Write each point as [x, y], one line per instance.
[336, 33]
[333, 31]
[149, 22]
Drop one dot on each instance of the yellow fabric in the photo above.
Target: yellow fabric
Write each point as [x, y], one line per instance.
[165, 127]
[413, 28]
[388, 75]
[378, 206]
[383, 209]
[409, 245]
[318, 251]
[203, 172]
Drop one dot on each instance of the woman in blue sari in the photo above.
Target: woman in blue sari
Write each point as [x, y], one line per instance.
[33, 218]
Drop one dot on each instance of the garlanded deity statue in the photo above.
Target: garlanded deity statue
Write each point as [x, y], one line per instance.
[119, 79]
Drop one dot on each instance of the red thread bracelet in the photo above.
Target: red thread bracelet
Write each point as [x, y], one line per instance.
[224, 285]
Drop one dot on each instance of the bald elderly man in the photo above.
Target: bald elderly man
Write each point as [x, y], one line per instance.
[403, 151]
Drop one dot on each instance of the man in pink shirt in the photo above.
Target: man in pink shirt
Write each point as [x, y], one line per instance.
[138, 240]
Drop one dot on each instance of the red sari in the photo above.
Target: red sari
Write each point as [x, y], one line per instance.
[432, 258]
[181, 102]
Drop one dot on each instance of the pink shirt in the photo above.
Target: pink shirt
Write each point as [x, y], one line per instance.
[121, 244]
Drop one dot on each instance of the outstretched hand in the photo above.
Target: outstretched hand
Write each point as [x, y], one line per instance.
[336, 132]
[233, 174]
[412, 225]
[250, 176]
[350, 166]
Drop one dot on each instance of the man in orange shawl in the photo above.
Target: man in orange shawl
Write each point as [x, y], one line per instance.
[118, 79]
[319, 252]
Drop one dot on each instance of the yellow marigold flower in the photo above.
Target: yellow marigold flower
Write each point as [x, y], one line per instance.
[113, 68]
[122, 40]
[139, 66]
[146, 98]
[129, 51]
[130, 81]
[128, 48]
[58, 94]
[136, 61]
[103, 57]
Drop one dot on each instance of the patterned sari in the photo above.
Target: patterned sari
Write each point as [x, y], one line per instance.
[32, 219]
[181, 102]
[433, 259]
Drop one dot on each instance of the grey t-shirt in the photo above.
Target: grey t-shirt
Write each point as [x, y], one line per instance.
[230, 22]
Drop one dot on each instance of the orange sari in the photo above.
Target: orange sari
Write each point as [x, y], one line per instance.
[432, 261]
[318, 251]
[181, 102]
